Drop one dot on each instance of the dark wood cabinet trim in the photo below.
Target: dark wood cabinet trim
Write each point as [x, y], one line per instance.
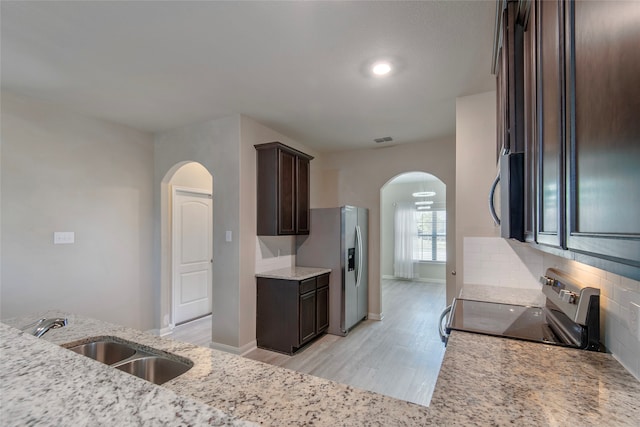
[322, 309]
[302, 195]
[616, 247]
[543, 236]
[307, 320]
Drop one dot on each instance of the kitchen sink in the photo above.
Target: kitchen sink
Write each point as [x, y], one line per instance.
[157, 370]
[149, 364]
[107, 352]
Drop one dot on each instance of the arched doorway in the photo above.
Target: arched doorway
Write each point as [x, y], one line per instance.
[413, 228]
[186, 244]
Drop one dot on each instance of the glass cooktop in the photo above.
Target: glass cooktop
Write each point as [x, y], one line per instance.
[503, 320]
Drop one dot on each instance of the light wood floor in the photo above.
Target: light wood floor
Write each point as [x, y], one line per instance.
[399, 356]
[196, 332]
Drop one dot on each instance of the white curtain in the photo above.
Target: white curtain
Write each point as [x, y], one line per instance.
[405, 232]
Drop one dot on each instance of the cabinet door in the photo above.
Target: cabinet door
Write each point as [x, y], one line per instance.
[302, 196]
[322, 309]
[530, 134]
[550, 84]
[307, 316]
[286, 192]
[604, 131]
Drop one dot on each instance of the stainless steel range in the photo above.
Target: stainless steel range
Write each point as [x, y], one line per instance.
[570, 316]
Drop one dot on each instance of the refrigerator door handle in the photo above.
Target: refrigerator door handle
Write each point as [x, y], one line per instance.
[359, 245]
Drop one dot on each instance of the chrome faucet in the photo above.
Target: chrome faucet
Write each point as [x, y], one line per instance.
[42, 326]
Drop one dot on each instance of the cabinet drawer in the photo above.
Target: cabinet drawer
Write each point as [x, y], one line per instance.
[307, 285]
[323, 280]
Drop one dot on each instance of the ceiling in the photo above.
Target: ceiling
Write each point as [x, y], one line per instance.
[299, 68]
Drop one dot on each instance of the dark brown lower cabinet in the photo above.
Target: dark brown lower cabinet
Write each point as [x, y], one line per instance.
[291, 313]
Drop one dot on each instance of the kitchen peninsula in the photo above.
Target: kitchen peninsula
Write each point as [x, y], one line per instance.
[484, 380]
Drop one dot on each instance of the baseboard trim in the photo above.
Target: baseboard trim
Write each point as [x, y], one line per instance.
[250, 346]
[166, 331]
[160, 332]
[417, 279]
[375, 316]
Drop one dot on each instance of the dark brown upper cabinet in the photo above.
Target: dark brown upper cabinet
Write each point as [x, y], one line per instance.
[283, 190]
[603, 131]
[581, 133]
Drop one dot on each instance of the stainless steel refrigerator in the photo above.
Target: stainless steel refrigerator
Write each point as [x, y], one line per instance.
[339, 240]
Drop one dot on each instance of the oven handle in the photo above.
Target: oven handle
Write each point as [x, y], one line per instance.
[443, 333]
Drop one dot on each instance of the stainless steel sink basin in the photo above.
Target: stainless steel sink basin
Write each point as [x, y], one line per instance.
[149, 364]
[157, 370]
[105, 351]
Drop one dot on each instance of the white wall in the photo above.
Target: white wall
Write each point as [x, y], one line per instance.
[475, 172]
[359, 175]
[62, 171]
[215, 145]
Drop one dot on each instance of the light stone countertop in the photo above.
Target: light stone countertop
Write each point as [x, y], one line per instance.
[236, 388]
[294, 273]
[44, 384]
[484, 381]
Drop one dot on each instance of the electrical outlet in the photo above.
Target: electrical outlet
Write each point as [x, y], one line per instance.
[634, 316]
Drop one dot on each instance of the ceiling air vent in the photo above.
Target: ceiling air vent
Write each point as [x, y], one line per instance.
[383, 139]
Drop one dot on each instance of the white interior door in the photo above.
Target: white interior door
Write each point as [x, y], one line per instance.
[192, 237]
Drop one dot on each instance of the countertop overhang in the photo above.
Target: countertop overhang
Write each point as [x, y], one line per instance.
[294, 273]
[42, 381]
[483, 381]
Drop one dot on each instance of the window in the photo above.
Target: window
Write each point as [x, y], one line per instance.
[431, 241]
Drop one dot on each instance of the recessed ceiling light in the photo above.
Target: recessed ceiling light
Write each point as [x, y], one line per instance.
[424, 202]
[424, 194]
[381, 68]
[422, 208]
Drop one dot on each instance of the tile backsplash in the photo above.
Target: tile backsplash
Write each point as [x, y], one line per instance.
[492, 261]
[495, 258]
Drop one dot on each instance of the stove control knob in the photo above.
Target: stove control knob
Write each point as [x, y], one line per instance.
[568, 296]
[547, 281]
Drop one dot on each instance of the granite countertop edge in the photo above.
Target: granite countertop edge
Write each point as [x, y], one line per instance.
[483, 380]
[294, 273]
[223, 388]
